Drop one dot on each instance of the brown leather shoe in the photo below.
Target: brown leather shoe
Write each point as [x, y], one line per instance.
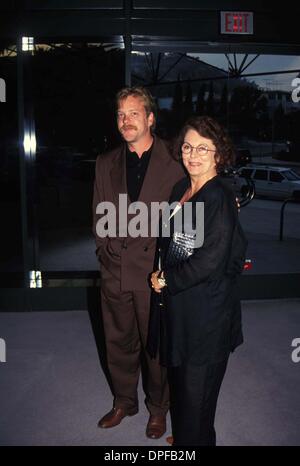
[156, 426]
[114, 417]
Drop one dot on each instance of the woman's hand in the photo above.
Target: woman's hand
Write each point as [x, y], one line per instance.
[155, 285]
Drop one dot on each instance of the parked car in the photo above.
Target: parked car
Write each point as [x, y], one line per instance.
[273, 182]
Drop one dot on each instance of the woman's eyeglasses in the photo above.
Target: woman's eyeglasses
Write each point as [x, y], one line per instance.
[202, 150]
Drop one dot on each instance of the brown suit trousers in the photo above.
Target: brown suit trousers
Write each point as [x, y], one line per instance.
[126, 319]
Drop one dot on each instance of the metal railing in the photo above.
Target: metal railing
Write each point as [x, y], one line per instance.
[295, 199]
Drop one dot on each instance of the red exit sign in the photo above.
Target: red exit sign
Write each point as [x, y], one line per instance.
[236, 22]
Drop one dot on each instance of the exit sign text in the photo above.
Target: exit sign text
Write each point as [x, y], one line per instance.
[236, 22]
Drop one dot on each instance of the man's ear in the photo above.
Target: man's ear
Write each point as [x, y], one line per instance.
[150, 119]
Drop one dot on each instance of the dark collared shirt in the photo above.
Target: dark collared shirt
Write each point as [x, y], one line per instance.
[136, 168]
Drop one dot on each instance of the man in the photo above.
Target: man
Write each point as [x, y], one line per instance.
[143, 169]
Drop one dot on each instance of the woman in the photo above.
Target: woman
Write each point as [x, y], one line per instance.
[198, 322]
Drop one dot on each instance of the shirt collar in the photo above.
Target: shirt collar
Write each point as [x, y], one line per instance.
[132, 157]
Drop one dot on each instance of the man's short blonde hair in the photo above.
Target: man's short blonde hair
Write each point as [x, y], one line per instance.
[144, 95]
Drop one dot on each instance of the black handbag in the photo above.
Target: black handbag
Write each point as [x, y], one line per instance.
[181, 246]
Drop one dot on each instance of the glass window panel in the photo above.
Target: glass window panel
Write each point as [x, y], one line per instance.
[74, 89]
[260, 175]
[276, 177]
[256, 98]
[290, 175]
[10, 200]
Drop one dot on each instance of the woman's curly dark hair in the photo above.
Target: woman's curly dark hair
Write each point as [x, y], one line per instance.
[210, 129]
